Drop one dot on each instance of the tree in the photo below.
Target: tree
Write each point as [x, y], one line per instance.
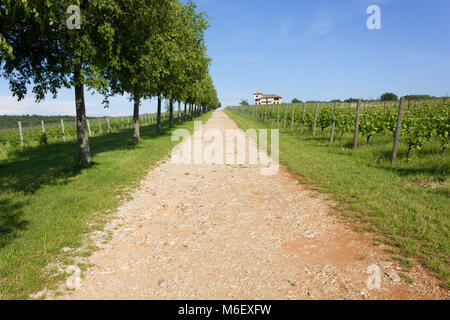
[186, 63]
[388, 97]
[244, 103]
[418, 97]
[136, 40]
[295, 100]
[38, 48]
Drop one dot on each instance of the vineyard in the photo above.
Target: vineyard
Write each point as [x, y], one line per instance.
[10, 139]
[422, 122]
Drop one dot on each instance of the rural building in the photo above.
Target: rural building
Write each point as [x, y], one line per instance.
[261, 98]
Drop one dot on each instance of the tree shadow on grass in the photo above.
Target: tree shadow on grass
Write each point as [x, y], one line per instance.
[27, 171]
[10, 220]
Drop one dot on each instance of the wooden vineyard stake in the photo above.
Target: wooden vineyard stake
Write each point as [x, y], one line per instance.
[292, 116]
[278, 114]
[62, 128]
[333, 122]
[21, 135]
[303, 117]
[316, 112]
[356, 132]
[44, 136]
[397, 131]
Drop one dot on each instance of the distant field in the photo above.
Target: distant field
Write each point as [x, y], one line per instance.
[10, 122]
[32, 135]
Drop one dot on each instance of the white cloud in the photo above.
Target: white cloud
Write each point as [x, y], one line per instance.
[322, 25]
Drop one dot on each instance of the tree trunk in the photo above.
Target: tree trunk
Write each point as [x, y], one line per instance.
[136, 134]
[158, 116]
[84, 154]
[190, 111]
[171, 113]
[185, 111]
[179, 112]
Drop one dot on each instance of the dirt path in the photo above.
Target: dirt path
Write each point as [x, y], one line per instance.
[227, 232]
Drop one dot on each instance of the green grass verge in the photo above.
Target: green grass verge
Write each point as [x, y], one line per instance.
[47, 199]
[394, 201]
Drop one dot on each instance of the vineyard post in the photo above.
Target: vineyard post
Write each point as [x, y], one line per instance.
[21, 135]
[109, 124]
[99, 127]
[278, 115]
[62, 128]
[333, 122]
[303, 118]
[292, 117]
[44, 136]
[397, 130]
[285, 115]
[273, 110]
[355, 136]
[89, 127]
[316, 112]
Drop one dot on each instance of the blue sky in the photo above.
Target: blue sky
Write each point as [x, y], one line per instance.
[305, 49]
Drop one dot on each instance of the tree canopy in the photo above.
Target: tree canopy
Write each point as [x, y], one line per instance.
[136, 47]
[388, 97]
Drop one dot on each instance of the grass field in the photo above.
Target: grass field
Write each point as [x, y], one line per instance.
[47, 200]
[396, 203]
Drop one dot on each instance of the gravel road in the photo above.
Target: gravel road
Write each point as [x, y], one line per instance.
[228, 232]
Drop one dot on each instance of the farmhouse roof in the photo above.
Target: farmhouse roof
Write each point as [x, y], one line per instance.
[270, 96]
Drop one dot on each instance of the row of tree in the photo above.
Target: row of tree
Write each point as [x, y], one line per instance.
[140, 48]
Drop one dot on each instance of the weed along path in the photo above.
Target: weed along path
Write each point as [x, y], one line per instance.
[217, 231]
